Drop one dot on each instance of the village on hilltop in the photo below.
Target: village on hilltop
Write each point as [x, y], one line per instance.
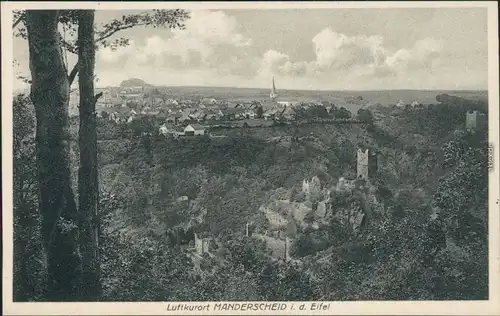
[135, 99]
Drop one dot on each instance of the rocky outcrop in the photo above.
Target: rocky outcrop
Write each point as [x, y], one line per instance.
[353, 215]
[355, 203]
[350, 202]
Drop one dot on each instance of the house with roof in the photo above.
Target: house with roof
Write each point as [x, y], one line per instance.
[234, 113]
[153, 101]
[287, 103]
[112, 102]
[213, 114]
[250, 114]
[119, 115]
[304, 106]
[184, 116]
[194, 130]
[174, 118]
[279, 115]
[160, 116]
[221, 102]
[249, 104]
[208, 101]
[270, 114]
[233, 105]
[112, 117]
[171, 102]
[187, 103]
[130, 118]
[288, 114]
[197, 115]
[163, 130]
[401, 104]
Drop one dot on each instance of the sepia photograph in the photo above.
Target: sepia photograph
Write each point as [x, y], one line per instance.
[249, 158]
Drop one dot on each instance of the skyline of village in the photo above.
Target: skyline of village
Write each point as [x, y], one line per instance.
[135, 99]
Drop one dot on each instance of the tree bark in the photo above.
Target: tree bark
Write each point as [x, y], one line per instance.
[87, 176]
[50, 96]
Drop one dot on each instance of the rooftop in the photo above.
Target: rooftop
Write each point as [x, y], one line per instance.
[197, 127]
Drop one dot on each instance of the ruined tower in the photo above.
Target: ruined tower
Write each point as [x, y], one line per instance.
[287, 248]
[249, 229]
[205, 244]
[367, 164]
[201, 245]
[198, 245]
[474, 121]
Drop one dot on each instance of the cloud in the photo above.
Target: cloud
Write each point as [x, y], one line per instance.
[212, 46]
[277, 63]
[209, 39]
[111, 56]
[340, 55]
[211, 27]
[335, 51]
[425, 53]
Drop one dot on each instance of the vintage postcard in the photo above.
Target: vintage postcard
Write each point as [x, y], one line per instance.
[249, 158]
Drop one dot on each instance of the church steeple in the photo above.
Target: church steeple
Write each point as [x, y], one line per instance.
[273, 94]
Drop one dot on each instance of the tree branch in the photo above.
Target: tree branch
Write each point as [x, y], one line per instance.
[68, 46]
[166, 18]
[19, 19]
[73, 74]
[97, 96]
[117, 30]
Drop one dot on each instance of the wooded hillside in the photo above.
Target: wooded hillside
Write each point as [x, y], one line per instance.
[418, 230]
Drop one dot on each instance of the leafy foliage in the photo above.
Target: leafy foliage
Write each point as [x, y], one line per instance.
[341, 113]
[365, 116]
[312, 112]
[29, 257]
[105, 33]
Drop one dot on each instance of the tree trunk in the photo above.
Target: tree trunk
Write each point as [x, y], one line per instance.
[87, 177]
[50, 96]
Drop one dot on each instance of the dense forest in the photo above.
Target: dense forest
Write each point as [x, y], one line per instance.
[416, 231]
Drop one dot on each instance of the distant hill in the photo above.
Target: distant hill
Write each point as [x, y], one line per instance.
[463, 100]
[133, 82]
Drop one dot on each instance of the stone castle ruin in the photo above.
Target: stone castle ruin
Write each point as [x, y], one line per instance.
[475, 120]
[312, 186]
[313, 190]
[367, 164]
[249, 229]
[201, 245]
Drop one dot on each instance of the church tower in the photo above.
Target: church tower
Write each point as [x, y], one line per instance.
[273, 94]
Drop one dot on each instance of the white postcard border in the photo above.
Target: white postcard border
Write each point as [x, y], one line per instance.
[490, 307]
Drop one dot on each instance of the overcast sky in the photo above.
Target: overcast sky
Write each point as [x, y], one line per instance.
[333, 49]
